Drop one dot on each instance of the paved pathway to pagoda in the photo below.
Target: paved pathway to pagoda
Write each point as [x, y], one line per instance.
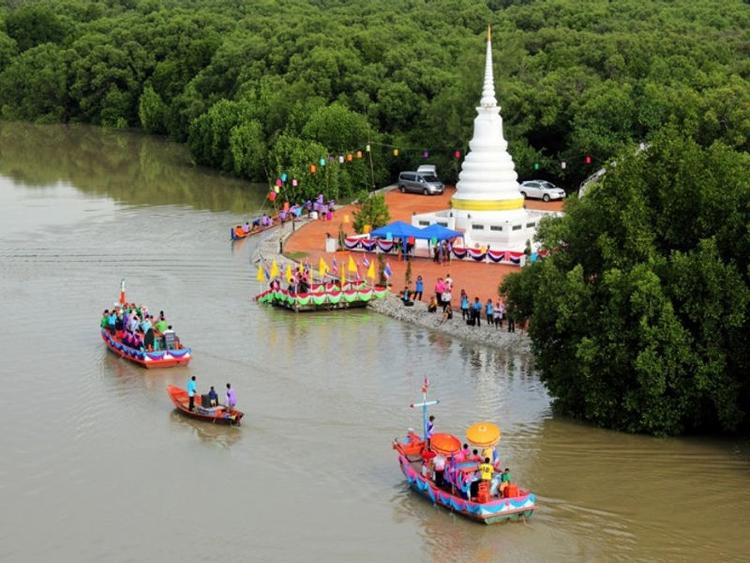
[478, 279]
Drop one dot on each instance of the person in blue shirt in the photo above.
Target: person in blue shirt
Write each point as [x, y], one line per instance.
[476, 311]
[419, 289]
[464, 305]
[488, 310]
[192, 387]
[213, 396]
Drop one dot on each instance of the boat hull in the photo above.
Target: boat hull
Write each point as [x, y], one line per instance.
[179, 397]
[148, 360]
[327, 298]
[496, 511]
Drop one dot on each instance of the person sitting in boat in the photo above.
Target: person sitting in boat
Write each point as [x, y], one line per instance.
[256, 223]
[505, 480]
[104, 324]
[427, 457]
[275, 284]
[246, 227]
[439, 465]
[266, 221]
[213, 397]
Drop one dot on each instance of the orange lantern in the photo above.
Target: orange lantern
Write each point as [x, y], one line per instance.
[349, 157]
[313, 169]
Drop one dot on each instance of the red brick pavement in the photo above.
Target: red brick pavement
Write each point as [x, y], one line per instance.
[478, 279]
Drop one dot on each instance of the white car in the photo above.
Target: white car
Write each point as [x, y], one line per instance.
[541, 189]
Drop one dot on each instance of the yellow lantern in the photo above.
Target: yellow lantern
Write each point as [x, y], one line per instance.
[395, 152]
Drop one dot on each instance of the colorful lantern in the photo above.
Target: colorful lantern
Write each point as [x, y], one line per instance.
[294, 182]
[277, 189]
[271, 196]
[563, 165]
[349, 157]
[367, 148]
[284, 177]
[278, 181]
[341, 159]
[395, 152]
[425, 154]
[313, 169]
[322, 162]
[536, 166]
[587, 159]
[457, 154]
[359, 154]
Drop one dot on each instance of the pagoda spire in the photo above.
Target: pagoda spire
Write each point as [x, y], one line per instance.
[488, 90]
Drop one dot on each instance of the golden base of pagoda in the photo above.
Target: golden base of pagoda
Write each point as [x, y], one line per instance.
[487, 204]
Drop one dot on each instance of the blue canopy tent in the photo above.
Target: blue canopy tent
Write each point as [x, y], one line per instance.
[397, 229]
[438, 232]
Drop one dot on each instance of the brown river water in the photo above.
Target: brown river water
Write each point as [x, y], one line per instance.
[96, 466]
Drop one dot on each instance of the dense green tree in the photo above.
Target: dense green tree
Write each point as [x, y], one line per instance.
[35, 85]
[638, 315]
[249, 149]
[371, 210]
[152, 111]
[33, 24]
[293, 156]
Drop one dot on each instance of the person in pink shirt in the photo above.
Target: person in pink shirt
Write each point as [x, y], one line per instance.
[439, 289]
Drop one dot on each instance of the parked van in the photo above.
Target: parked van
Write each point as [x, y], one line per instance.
[419, 182]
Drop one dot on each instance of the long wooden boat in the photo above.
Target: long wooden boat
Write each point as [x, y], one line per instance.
[321, 298]
[156, 359]
[455, 493]
[497, 510]
[237, 233]
[216, 415]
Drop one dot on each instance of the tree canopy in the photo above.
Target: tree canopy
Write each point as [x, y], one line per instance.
[639, 315]
[573, 78]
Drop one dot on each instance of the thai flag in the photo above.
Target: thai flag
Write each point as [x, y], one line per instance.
[267, 271]
[334, 266]
[387, 272]
[365, 262]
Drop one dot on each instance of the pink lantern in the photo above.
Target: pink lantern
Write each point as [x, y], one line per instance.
[294, 182]
[278, 181]
[457, 154]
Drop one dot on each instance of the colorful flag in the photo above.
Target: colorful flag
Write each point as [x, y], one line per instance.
[425, 385]
[387, 272]
[343, 277]
[288, 274]
[371, 271]
[274, 269]
[365, 262]
[261, 275]
[352, 266]
[323, 267]
[334, 266]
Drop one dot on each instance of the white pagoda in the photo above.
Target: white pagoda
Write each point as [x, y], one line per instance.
[488, 206]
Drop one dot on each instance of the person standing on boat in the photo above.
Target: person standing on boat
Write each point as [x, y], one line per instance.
[430, 429]
[231, 397]
[439, 465]
[213, 397]
[192, 387]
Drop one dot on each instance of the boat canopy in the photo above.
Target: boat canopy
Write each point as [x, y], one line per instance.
[483, 434]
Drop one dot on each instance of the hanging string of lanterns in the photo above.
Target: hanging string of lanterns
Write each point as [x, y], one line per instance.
[358, 154]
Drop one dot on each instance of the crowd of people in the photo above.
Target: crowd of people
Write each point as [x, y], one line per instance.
[289, 212]
[472, 312]
[135, 327]
[469, 473]
[210, 399]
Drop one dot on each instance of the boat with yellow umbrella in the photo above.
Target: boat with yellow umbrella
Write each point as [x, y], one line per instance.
[456, 486]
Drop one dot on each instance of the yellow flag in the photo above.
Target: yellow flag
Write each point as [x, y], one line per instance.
[343, 276]
[261, 277]
[323, 267]
[371, 270]
[274, 269]
[300, 268]
[352, 267]
[288, 274]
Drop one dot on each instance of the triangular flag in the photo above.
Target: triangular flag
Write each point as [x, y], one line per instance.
[288, 274]
[343, 277]
[323, 267]
[261, 277]
[352, 266]
[274, 269]
[301, 268]
[371, 270]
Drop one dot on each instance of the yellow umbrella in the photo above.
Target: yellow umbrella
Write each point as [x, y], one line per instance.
[483, 434]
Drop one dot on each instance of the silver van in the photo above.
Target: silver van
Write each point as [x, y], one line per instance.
[419, 182]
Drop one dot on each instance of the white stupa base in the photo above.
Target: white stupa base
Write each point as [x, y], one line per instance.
[499, 230]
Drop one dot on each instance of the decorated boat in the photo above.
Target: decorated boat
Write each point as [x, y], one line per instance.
[323, 297]
[218, 414]
[238, 233]
[173, 353]
[490, 502]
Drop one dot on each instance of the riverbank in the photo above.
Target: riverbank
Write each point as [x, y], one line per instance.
[271, 248]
